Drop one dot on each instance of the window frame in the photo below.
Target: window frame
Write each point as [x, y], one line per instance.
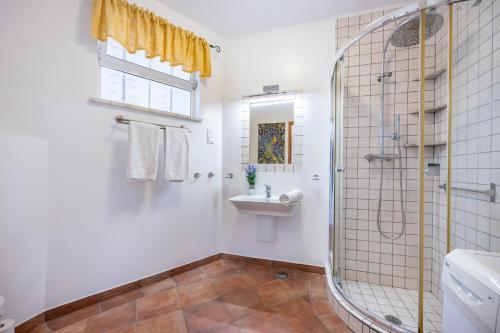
[131, 68]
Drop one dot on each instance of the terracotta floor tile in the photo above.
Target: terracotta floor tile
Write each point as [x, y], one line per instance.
[217, 268]
[256, 277]
[318, 285]
[159, 286]
[196, 293]
[115, 301]
[274, 292]
[305, 275]
[228, 283]
[158, 303]
[120, 316]
[243, 303]
[320, 328]
[221, 297]
[321, 304]
[172, 322]
[74, 317]
[261, 323]
[75, 328]
[126, 329]
[332, 322]
[226, 328]
[298, 287]
[297, 314]
[206, 317]
[192, 276]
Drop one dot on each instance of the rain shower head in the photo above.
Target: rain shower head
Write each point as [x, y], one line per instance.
[407, 33]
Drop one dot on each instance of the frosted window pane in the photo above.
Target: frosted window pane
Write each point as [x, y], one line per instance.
[138, 58]
[136, 90]
[178, 72]
[160, 96]
[181, 101]
[164, 67]
[114, 49]
[159, 66]
[111, 84]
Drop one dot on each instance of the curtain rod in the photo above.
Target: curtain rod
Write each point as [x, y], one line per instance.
[119, 119]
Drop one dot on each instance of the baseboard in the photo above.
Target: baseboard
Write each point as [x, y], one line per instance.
[64, 309]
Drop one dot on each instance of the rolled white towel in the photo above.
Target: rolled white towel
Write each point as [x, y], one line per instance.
[291, 197]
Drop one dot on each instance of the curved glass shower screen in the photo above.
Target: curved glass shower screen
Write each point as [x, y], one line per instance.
[388, 233]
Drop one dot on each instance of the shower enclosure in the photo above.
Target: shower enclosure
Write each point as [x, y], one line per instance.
[404, 112]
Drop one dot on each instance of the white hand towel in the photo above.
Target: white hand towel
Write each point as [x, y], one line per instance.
[176, 154]
[291, 197]
[143, 146]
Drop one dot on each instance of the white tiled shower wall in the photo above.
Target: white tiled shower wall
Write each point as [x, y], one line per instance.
[475, 146]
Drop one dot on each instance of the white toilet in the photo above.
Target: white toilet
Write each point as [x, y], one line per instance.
[471, 285]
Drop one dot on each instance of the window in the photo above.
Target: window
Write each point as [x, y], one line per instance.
[136, 80]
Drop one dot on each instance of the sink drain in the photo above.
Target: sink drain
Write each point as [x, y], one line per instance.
[393, 320]
[281, 275]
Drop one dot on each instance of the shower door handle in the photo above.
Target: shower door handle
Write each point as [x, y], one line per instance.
[340, 170]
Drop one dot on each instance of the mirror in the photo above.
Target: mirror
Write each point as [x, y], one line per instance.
[272, 132]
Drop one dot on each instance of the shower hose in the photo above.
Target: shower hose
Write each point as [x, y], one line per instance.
[403, 214]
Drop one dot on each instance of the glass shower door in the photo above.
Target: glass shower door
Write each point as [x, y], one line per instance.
[337, 225]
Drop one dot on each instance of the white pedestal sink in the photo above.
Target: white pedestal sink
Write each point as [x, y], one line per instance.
[268, 211]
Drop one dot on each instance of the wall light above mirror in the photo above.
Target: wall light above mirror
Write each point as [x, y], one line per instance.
[272, 131]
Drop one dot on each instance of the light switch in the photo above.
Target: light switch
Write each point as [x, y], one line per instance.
[210, 137]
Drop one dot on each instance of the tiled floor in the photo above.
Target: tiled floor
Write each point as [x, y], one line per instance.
[402, 303]
[221, 297]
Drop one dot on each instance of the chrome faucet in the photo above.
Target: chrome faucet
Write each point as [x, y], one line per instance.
[268, 190]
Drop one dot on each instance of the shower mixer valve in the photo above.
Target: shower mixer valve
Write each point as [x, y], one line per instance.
[386, 74]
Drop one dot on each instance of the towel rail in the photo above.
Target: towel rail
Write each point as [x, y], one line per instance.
[121, 120]
[491, 191]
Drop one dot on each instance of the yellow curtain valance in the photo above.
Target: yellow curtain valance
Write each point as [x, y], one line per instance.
[139, 29]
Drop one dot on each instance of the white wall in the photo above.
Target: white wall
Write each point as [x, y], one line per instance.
[23, 224]
[296, 57]
[103, 231]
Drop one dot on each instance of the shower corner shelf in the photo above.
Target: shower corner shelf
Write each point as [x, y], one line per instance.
[433, 75]
[433, 109]
[430, 144]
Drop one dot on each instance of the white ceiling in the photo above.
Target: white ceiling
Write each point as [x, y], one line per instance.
[232, 17]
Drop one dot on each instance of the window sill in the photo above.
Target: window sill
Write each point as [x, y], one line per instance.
[141, 108]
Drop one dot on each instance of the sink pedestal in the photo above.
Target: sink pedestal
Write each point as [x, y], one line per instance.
[267, 228]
